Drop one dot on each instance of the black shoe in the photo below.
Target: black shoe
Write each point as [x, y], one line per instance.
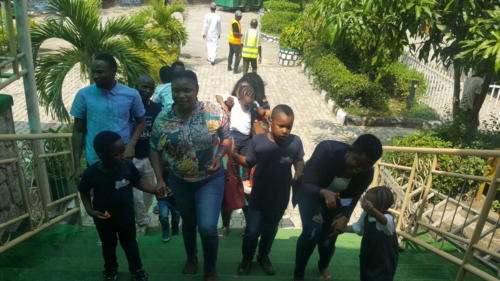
[266, 265]
[110, 275]
[244, 267]
[140, 275]
[229, 68]
[175, 231]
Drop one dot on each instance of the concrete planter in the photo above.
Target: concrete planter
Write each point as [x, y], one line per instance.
[289, 57]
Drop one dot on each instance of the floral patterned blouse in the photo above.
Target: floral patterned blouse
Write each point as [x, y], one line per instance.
[190, 144]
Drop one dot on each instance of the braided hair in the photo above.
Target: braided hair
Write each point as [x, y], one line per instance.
[243, 88]
[383, 196]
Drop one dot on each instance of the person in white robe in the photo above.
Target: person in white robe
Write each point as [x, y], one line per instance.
[211, 32]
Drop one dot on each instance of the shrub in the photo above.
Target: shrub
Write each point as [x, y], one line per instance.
[346, 88]
[275, 22]
[423, 111]
[448, 163]
[282, 6]
[397, 78]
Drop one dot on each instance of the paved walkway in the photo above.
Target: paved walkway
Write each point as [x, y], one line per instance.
[314, 121]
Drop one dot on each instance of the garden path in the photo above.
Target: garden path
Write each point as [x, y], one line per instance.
[314, 121]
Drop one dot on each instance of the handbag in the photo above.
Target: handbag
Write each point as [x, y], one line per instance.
[234, 197]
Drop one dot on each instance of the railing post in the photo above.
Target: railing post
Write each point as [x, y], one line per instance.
[483, 215]
[425, 193]
[376, 174]
[409, 189]
[30, 93]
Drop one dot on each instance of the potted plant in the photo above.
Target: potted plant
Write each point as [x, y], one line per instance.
[291, 44]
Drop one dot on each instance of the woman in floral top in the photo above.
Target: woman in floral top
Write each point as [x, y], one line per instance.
[189, 138]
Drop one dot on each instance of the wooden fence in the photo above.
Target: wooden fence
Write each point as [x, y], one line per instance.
[439, 198]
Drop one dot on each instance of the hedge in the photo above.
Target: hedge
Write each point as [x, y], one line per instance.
[397, 78]
[275, 22]
[344, 87]
[281, 6]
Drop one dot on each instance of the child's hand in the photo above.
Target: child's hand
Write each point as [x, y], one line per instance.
[98, 215]
[367, 205]
[339, 225]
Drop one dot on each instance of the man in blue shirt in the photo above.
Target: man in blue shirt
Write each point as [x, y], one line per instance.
[106, 105]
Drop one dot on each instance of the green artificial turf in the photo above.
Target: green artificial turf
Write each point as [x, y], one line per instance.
[66, 252]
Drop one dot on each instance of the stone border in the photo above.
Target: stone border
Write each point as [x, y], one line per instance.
[370, 121]
[270, 38]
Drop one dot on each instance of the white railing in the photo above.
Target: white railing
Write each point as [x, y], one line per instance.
[439, 92]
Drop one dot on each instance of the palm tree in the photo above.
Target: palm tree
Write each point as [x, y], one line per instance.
[164, 34]
[78, 22]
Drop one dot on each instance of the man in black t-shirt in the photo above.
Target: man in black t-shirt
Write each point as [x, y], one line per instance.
[273, 155]
[111, 182]
[142, 201]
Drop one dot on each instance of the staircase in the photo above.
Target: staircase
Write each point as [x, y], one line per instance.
[66, 252]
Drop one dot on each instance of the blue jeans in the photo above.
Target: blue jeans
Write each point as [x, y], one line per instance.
[316, 221]
[165, 207]
[200, 205]
[258, 226]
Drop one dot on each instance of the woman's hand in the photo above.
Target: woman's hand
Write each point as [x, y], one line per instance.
[214, 165]
[330, 198]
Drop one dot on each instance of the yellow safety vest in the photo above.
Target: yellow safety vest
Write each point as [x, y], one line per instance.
[251, 44]
[232, 38]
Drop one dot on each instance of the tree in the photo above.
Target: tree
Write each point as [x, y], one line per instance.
[78, 22]
[481, 56]
[374, 33]
[450, 28]
[164, 35]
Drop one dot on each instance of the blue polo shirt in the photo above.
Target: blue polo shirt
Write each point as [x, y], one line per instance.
[107, 110]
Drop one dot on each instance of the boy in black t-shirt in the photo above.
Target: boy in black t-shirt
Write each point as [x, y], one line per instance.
[273, 155]
[111, 180]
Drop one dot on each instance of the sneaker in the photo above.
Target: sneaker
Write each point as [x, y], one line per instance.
[110, 275]
[229, 68]
[266, 265]
[140, 275]
[224, 232]
[165, 237]
[190, 267]
[244, 267]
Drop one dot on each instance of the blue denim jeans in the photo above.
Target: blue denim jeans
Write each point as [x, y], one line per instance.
[200, 205]
[258, 226]
[316, 221]
[165, 207]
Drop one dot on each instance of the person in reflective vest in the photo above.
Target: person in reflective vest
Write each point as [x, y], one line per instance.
[252, 51]
[235, 34]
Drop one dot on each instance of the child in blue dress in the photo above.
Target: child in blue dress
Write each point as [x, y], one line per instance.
[379, 247]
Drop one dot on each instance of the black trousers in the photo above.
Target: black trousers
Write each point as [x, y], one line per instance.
[247, 62]
[110, 234]
[234, 50]
[259, 226]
